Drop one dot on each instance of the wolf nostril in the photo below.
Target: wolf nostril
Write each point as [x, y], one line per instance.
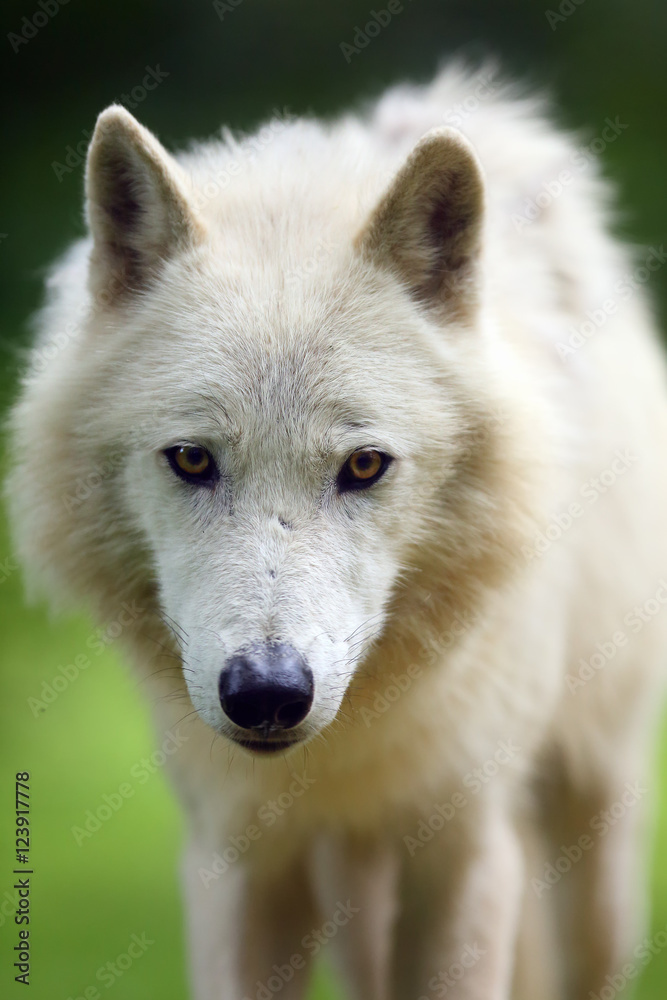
[266, 687]
[290, 715]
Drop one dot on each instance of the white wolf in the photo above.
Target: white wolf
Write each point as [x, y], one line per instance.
[371, 418]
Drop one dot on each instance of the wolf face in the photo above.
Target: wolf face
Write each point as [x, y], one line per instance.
[285, 446]
[295, 533]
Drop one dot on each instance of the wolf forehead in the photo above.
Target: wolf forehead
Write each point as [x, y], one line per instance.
[244, 357]
[312, 396]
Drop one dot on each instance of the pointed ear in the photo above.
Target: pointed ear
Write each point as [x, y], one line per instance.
[137, 205]
[427, 227]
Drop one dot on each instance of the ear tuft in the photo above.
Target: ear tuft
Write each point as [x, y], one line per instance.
[427, 227]
[137, 204]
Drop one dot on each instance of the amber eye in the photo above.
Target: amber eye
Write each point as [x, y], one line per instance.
[363, 468]
[193, 463]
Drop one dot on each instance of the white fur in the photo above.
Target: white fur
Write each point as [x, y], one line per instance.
[276, 303]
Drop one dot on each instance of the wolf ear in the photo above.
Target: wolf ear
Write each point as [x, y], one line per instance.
[427, 227]
[137, 206]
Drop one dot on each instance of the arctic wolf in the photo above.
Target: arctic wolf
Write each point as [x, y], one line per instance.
[370, 417]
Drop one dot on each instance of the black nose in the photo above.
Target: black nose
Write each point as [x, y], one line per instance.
[266, 687]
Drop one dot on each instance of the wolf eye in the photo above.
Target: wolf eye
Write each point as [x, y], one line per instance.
[192, 463]
[363, 468]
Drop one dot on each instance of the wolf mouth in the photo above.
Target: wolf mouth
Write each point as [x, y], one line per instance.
[266, 747]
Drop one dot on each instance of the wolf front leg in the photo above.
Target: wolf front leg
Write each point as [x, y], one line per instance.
[595, 871]
[355, 882]
[457, 933]
[246, 930]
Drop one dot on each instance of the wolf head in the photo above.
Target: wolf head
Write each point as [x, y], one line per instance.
[285, 423]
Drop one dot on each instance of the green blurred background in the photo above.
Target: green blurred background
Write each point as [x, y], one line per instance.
[234, 65]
